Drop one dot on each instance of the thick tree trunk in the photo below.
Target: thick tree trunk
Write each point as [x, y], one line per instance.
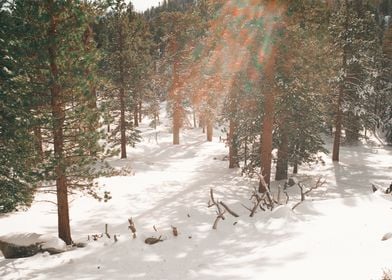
[210, 129]
[282, 164]
[339, 113]
[58, 116]
[233, 149]
[122, 124]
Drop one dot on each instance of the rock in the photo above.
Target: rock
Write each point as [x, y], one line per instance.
[152, 240]
[387, 236]
[22, 245]
[12, 251]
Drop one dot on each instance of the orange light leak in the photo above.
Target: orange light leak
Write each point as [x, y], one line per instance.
[240, 39]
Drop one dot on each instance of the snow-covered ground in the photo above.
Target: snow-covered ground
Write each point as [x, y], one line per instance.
[335, 234]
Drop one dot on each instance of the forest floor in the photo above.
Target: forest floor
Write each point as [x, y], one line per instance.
[334, 234]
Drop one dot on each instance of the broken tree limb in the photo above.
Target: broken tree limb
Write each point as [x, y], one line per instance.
[234, 214]
[264, 188]
[318, 184]
[220, 216]
[219, 211]
[106, 231]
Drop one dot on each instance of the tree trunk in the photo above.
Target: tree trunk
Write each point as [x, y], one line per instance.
[176, 124]
[38, 142]
[58, 115]
[282, 164]
[123, 137]
[338, 129]
[295, 168]
[122, 124]
[177, 106]
[194, 119]
[210, 129]
[136, 115]
[233, 145]
[339, 113]
[140, 111]
[266, 136]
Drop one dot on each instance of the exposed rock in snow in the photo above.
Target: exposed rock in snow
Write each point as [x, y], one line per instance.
[387, 236]
[21, 245]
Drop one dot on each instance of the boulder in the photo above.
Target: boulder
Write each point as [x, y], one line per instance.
[22, 245]
[13, 251]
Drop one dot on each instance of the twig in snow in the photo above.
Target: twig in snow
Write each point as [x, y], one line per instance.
[106, 231]
[318, 184]
[229, 210]
[132, 227]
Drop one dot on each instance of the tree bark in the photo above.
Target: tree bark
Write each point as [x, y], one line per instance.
[177, 106]
[282, 164]
[233, 149]
[58, 115]
[38, 142]
[140, 111]
[123, 138]
[210, 130]
[339, 113]
[122, 124]
[266, 136]
[136, 114]
[295, 168]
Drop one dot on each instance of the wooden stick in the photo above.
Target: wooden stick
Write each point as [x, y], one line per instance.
[229, 210]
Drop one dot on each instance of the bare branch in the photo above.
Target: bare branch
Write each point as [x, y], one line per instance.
[229, 210]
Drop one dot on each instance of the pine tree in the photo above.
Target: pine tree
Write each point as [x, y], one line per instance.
[126, 53]
[17, 172]
[59, 67]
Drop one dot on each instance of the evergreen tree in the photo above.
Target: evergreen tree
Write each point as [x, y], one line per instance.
[17, 172]
[126, 49]
[60, 69]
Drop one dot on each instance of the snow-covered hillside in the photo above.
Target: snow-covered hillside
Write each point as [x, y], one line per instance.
[335, 234]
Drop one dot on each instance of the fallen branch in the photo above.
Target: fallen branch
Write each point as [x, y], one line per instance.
[264, 189]
[229, 210]
[106, 231]
[219, 212]
[318, 184]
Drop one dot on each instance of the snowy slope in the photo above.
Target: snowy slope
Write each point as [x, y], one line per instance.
[335, 234]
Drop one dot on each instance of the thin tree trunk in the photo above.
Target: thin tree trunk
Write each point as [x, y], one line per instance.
[123, 138]
[140, 111]
[177, 106]
[295, 168]
[122, 124]
[266, 137]
[136, 115]
[64, 229]
[194, 119]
